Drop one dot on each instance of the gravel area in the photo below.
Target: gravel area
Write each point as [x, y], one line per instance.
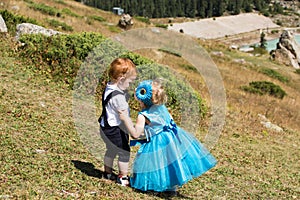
[219, 27]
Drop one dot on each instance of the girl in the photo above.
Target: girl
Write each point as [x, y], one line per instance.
[122, 72]
[170, 157]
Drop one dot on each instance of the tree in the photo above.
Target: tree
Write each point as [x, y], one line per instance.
[201, 7]
[263, 41]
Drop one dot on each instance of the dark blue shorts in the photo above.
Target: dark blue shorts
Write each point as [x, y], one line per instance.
[117, 142]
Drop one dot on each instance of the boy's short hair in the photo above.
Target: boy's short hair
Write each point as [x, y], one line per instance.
[121, 67]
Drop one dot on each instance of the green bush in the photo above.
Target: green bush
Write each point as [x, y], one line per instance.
[12, 20]
[265, 87]
[58, 24]
[67, 11]
[142, 19]
[297, 71]
[43, 8]
[82, 60]
[188, 67]
[162, 26]
[59, 56]
[98, 18]
[274, 74]
[170, 51]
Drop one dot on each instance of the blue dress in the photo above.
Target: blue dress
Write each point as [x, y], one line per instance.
[171, 156]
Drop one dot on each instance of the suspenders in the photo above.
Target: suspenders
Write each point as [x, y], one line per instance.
[104, 103]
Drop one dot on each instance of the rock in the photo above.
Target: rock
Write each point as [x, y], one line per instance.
[287, 51]
[233, 46]
[267, 124]
[27, 28]
[218, 53]
[15, 8]
[3, 27]
[125, 21]
[246, 49]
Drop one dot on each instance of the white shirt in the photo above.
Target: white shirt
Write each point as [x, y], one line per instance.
[116, 103]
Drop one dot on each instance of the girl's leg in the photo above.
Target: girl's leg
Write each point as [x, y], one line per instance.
[123, 168]
[123, 179]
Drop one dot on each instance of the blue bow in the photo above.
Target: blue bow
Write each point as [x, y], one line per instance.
[173, 127]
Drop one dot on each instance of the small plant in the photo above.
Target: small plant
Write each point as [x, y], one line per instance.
[265, 87]
[259, 50]
[98, 18]
[162, 26]
[188, 67]
[142, 19]
[58, 24]
[297, 71]
[170, 51]
[274, 74]
[70, 13]
[43, 8]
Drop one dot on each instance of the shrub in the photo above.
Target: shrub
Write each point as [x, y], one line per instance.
[188, 67]
[58, 24]
[12, 20]
[297, 71]
[265, 87]
[142, 19]
[67, 11]
[59, 56]
[82, 60]
[98, 18]
[43, 8]
[162, 26]
[170, 51]
[274, 74]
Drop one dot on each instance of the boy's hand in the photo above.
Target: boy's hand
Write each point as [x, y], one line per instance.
[123, 114]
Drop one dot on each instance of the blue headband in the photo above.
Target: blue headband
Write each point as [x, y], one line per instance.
[144, 92]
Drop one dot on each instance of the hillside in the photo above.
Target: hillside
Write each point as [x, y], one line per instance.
[43, 157]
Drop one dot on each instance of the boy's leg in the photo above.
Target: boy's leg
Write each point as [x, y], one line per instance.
[108, 164]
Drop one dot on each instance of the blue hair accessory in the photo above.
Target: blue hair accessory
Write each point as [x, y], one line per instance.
[144, 92]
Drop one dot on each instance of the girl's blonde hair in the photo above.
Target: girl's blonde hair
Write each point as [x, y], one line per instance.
[159, 95]
[121, 67]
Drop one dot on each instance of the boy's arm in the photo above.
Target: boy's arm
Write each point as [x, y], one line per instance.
[138, 129]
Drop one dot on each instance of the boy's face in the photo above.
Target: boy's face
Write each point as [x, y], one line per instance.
[124, 83]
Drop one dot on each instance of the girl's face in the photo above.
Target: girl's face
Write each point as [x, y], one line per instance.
[124, 83]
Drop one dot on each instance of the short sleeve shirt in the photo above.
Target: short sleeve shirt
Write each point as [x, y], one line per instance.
[116, 103]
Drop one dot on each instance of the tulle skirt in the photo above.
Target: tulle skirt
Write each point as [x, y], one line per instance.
[169, 160]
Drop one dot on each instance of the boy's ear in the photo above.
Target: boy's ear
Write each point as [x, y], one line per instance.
[122, 78]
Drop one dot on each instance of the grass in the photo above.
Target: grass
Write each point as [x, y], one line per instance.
[43, 157]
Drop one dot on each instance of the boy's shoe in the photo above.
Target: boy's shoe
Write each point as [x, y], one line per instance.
[123, 180]
[108, 176]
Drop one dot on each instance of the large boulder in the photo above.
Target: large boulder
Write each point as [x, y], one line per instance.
[3, 27]
[27, 28]
[287, 51]
[125, 21]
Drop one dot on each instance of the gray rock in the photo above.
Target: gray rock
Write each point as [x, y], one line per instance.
[27, 28]
[3, 27]
[288, 50]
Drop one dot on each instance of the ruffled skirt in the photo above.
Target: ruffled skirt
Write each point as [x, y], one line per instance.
[169, 160]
